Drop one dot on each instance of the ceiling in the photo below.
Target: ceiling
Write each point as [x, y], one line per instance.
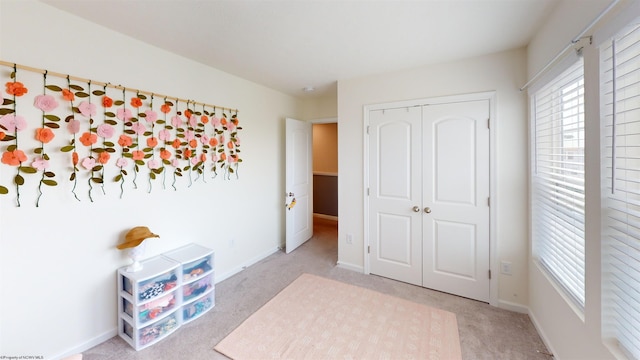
[288, 45]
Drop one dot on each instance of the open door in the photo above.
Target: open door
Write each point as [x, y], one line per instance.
[299, 183]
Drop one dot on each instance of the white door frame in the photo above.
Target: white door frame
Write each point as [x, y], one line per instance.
[491, 97]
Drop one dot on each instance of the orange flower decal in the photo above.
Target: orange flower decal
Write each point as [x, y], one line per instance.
[125, 140]
[104, 157]
[223, 156]
[230, 144]
[223, 121]
[213, 142]
[74, 158]
[165, 108]
[44, 135]
[203, 157]
[16, 88]
[193, 143]
[107, 101]
[88, 139]
[187, 153]
[176, 143]
[152, 142]
[137, 155]
[188, 113]
[13, 158]
[68, 95]
[136, 102]
[165, 154]
[204, 119]
[2, 135]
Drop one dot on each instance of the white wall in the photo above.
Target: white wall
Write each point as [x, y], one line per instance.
[503, 73]
[568, 332]
[58, 261]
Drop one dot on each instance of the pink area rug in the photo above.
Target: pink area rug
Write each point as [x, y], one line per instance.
[319, 318]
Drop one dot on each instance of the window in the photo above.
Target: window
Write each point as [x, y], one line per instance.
[558, 180]
[620, 106]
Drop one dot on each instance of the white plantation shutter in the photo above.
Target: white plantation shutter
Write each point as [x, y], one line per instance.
[558, 180]
[620, 99]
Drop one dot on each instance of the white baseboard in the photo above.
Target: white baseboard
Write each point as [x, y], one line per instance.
[352, 267]
[323, 216]
[89, 344]
[246, 264]
[543, 335]
[508, 305]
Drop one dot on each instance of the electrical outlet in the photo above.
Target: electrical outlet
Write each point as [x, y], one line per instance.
[349, 239]
[505, 267]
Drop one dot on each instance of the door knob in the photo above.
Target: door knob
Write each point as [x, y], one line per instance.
[290, 194]
[416, 209]
[427, 210]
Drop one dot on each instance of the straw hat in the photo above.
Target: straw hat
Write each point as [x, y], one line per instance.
[136, 236]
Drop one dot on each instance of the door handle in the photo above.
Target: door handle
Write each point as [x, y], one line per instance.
[290, 194]
[427, 210]
[416, 209]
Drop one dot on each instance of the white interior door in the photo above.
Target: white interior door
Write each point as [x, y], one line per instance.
[395, 187]
[455, 160]
[428, 196]
[299, 183]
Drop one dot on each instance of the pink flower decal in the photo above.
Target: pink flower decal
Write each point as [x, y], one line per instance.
[45, 103]
[189, 135]
[40, 164]
[164, 135]
[214, 157]
[231, 126]
[13, 122]
[193, 121]
[194, 160]
[175, 162]
[138, 128]
[73, 126]
[105, 131]
[88, 163]
[204, 139]
[122, 162]
[87, 109]
[215, 121]
[151, 116]
[153, 164]
[123, 114]
[221, 139]
[176, 121]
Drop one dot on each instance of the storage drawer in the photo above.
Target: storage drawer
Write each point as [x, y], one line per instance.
[197, 288]
[196, 261]
[150, 334]
[150, 310]
[198, 307]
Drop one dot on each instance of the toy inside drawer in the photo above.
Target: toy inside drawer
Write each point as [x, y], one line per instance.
[150, 310]
[197, 268]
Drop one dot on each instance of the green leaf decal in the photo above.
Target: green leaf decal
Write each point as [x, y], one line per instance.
[67, 148]
[6, 111]
[97, 180]
[49, 182]
[98, 92]
[54, 88]
[28, 169]
[82, 94]
[76, 87]
[51, 117]
[3, 190]
[7, 102]
[18, 180]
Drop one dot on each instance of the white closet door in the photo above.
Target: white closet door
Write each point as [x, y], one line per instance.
[395, 189]
[455, 164]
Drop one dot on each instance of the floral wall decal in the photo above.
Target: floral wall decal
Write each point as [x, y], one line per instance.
[93, 129]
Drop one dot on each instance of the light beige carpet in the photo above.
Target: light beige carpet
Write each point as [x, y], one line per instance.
[319, 318]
